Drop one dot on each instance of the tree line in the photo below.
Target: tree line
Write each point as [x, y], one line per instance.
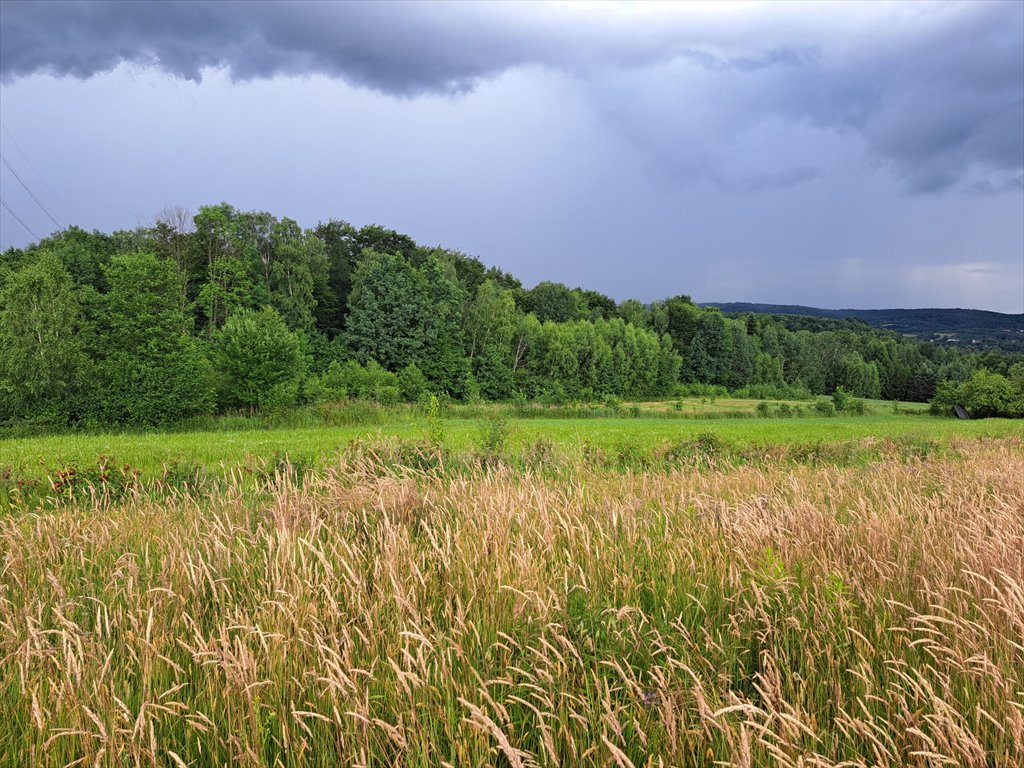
[229, 310]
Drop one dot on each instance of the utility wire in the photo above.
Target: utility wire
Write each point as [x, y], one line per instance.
[30, 192]
[36, 170]
[26, 226]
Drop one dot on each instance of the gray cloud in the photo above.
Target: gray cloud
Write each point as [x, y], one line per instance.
[935, 91]
[781, 152]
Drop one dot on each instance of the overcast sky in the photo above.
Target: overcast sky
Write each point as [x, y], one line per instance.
[837, 155]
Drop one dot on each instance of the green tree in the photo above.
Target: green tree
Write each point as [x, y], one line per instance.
[172, 236]
[258, 359]
[633, 311]
[341, 255]
[43, 367]
[443, 359]
[413, 383]
[83, 254]
[297, 268]
[154, 372]
[227, 278]
[669, 365]
[555, 302]
[489, 332]
[389, 312]
[990, 394]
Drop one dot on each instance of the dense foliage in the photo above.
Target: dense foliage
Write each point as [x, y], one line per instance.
[231, 309]
[984, 394]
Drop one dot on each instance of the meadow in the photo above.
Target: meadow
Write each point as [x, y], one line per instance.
[227, 443]
[523, 592]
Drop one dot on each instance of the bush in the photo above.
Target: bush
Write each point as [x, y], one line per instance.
[519, 401]
[280, 397]
[386, 394]
[554, 394]
[312, 391]
[844, 402]
[987, 394]
[259, 359]
[471, 389]
[492, 439]
[334, 381]
[630, 454]
[431, 408]
[946, 394]
[372, 382]
[824, 407]
[412, 383]
[613, 403]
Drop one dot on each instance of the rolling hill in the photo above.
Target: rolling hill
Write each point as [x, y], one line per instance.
[963, 327]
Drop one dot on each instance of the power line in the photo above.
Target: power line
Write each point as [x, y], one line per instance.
[36, 170]
[26, 226]
[30, 192]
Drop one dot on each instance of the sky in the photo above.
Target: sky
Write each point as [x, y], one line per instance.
[843, 155]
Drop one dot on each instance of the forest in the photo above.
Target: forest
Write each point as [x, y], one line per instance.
[969, 328]
[234, 311]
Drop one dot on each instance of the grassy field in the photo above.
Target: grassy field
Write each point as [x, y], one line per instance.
[651, 590]
[772, 615]
[213, 449]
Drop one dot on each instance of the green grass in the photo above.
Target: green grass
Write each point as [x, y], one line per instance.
[151, 451]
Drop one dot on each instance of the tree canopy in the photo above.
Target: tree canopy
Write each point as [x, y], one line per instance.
[242, 309]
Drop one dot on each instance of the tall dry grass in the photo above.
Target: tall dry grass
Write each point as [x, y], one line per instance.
[779, 615]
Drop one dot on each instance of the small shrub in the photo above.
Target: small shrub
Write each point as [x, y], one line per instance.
[105, 478]
[824, 407]
[471, 389]
[386, 395]
[519, 401]
[613, 403]
[710, 445]
[435, 426]
[412, 383]
[631, 455]
[844, 402]
[313, 391]
[281, 397]
[554, 394]
[492, 438]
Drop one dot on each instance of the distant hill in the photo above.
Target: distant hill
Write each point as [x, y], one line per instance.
[964, 327]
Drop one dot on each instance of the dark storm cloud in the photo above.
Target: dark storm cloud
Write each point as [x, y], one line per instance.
[398, 48]
[936, 91]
